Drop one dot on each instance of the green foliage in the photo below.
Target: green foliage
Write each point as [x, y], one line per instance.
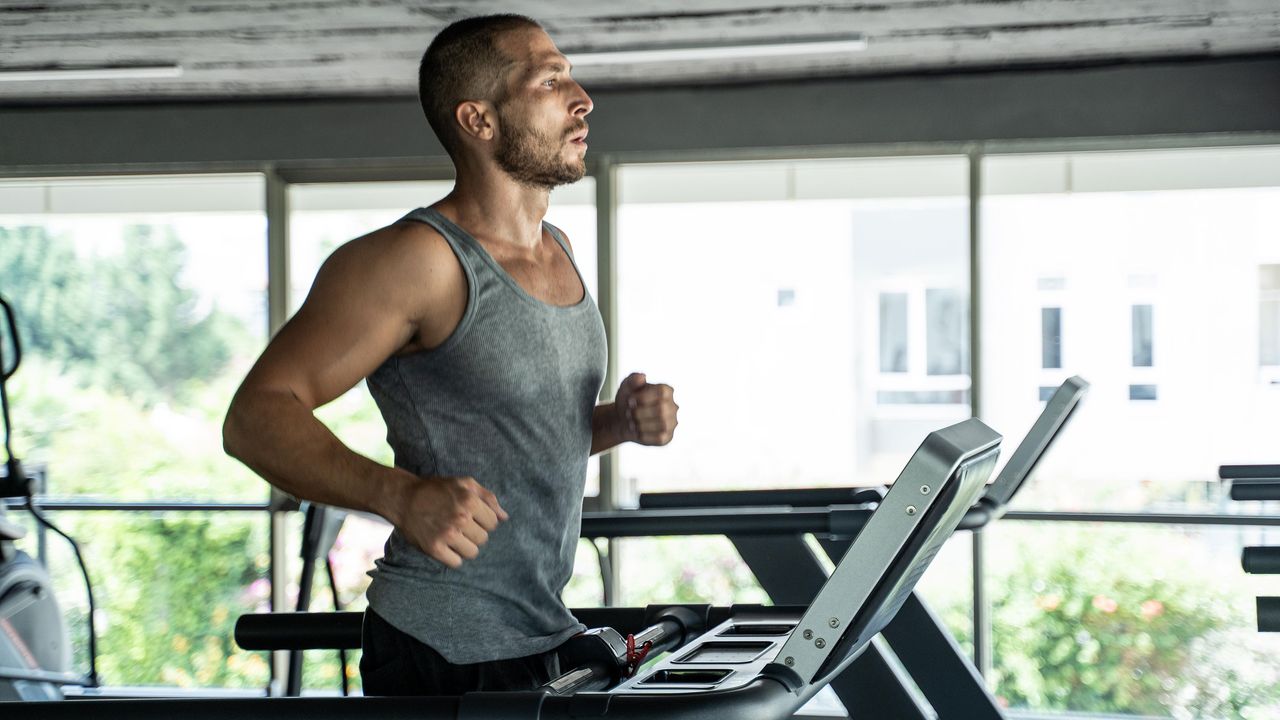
[1111, 621]
[119, 320]
[122, 390]
[169, 588]
[686, 570]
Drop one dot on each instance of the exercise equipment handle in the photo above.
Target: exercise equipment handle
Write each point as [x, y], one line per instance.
[1261, 560]
[1269, 614]
[12, 323]
[299, 631]
[601, 657]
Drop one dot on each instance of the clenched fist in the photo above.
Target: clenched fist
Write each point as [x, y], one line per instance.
[646, 413]
[448, 518]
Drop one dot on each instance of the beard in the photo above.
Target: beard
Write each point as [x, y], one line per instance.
[532, 157]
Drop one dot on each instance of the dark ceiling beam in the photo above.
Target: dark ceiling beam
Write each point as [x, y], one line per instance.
[1183, 98]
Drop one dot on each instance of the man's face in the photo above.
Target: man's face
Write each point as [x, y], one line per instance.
[541, 124]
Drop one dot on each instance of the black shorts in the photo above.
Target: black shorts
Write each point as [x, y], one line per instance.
[395, 663]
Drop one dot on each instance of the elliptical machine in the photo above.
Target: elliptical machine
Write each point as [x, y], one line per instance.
[35, 655]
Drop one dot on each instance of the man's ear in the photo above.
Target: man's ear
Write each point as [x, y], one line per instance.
[477, 119]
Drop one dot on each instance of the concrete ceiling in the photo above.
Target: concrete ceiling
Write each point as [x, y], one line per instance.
[326, 48]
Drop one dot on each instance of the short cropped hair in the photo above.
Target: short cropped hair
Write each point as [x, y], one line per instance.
[463, 63]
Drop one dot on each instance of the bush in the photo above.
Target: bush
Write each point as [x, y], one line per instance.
[1121, 620]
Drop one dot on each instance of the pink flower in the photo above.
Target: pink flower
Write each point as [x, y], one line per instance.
[1152, 609]
[257, 590]
[1105, 604]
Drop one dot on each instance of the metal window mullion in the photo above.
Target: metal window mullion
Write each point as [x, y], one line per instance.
[606, 176]
[277, 205]
[974, 155]
[982, 643]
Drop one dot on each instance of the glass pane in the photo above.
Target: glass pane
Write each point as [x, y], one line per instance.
[142, 303]
[1269, 315]
[776, 394]
[701, 569]
[1269, 333]
[168, 588]
[947, 587]
[586, 587]
[1050, 338]
[358, 544]
[324, 216]
[1142, 392]
[947, 340]
[1079, 626]
[1142, 336]
[893, 332]
[1195, 254]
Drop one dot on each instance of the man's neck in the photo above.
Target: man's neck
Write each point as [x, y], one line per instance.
[494, 207]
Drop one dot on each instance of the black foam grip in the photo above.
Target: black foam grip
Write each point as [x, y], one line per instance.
[1261, 560]
[1255, 490]
[1249, 472]
[1269, 614]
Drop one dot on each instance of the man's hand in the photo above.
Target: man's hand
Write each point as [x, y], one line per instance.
[646, 413]
[448, 518]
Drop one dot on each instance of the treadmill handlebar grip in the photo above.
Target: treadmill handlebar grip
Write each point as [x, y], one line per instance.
[1269, 614]
[1261, 560]
[793, 497]
[299, 631]
[1249, 472]
[1255, 490]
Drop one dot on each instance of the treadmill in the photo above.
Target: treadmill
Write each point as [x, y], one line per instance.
[756, 663]
[916, 670]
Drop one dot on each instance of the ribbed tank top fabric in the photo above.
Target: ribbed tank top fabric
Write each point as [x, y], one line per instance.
[506, 399]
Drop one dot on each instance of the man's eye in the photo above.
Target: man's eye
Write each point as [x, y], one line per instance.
[549, 83]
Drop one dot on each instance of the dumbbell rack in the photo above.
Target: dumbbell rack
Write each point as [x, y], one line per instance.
[1255, 483]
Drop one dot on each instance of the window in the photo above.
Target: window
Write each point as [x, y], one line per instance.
[1141, 337]
[1269, 315]
[1142, 392]
[947, 339]
[1123, 233]
[893, 332]
[141, 302]
[924, 346]
[1051, 338]
[838, 379]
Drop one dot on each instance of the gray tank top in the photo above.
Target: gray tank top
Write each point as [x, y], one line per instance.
[506, 399]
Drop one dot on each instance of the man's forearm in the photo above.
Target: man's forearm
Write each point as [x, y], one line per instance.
[605, 433]
[280, 439]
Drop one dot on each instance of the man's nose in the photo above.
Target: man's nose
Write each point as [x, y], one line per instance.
[582, 104]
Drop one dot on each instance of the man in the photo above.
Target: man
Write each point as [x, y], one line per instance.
[485, 355]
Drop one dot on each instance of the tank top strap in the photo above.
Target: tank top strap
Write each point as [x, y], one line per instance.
[558, 234]
[464, 246]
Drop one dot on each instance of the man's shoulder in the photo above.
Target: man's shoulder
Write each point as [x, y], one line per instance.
[403, 246]
[405, 239]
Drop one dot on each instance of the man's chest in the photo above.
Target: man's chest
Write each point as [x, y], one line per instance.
[549, 277]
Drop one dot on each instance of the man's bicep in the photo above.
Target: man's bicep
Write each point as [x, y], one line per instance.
[351, 322]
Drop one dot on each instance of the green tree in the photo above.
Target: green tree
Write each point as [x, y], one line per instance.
[1109, 620]
[121, 392]
[120, 320]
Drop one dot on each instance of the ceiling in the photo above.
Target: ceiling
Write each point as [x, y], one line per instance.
[327, 48]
